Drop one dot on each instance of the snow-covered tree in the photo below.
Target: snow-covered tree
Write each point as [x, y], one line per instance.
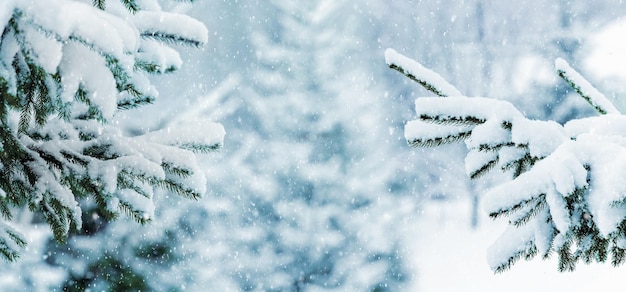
[303, 197]
[66, 68]
[565, 194]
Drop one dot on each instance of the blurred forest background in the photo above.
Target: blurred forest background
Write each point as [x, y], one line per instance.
[315, 186]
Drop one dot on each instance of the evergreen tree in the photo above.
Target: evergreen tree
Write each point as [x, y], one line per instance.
[66, 68]
[310, 194]
[565, 195]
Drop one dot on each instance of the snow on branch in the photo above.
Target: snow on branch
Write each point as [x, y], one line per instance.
[66, 69]
[587, 91]
[430, 80]
[567, 192]
[171, 27]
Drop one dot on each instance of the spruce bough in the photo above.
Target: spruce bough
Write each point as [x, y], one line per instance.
[566, 194]
[66, 68]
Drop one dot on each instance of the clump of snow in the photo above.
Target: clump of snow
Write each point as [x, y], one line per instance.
[166, 58]
[476, 160]
[488, 134]
[81, 21]
[524, 132]
[47, 51]
[515, 240]
[608, 125]
[93, 76]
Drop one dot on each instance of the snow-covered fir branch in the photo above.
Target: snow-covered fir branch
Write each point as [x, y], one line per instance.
[420, 74]
[566, 194]
[587, 91]
[66, 68]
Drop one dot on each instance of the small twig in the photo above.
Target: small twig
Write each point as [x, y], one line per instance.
[584, 88]
[425, 77]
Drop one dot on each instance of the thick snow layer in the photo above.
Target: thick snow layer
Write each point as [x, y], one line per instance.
[514, 240]
[166, 58]
[81, 21]
[6, 11]
[609, 125]
[558, 211]
[562, 171]
[92, 75]
[475, 160]
[544, 229]
[508, 155]
[46, 51]
[489, 134]
[607, 162]
[541, 137]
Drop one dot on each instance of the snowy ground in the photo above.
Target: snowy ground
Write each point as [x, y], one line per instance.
[451, 257]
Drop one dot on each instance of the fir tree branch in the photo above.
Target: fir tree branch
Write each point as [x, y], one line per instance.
[178, 189]
[153, 68]
[437, 141]
[170, 168]
[171, 38]
[618, 255]
[589, 93]
[4, 208]
[527, 252]
[137, 215]
[100, 4]
[415, 71]
[484, 169]
[131, 5]
[518, 206]
[56, 216]
[200, 148]
[131, 103]
[451, 120]
[59, 149]
[521, 165]
[567, 261]
[10, 241]
[529, 211]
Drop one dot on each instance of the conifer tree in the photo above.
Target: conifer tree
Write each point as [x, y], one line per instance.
[66, 68]
[566, 193]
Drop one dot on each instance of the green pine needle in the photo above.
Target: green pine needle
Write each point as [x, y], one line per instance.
[100, 4]
[171, 38]
[528, 253]
[447, 120]
[201, 148]
[433, 142]
[530, 211]
[126, 104]
[131, 5]
[511, 209]
[484, 169]
[138, 216]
